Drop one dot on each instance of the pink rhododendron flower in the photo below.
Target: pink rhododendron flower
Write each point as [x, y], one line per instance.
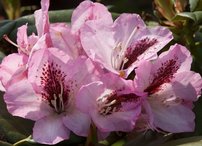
[68, 78]
[47, 93]
[25, 42]
[112, 103]
[122, 45]
[171, 88]
[16, 62]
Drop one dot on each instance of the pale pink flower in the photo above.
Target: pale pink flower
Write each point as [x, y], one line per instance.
[112, 103]
[46, 94]
[16, 63]
[121, 46]
[172, 88]
[25, 43]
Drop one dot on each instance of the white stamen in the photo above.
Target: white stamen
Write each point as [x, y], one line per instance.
[115, 58]
[54, 103]
[118, 56]
[111, 103]
[129, 39]
[104, 106]
[60, 107]
[14, 44]
[9, 40]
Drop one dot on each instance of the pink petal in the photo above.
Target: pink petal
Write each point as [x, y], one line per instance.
[50, 130]
[89, 93]
[97, 47]
[82, 71]
[187, 85]
[143, 73]
[42, 19]
[180, 54]
[42, 43]
[25, 43]
[126, 27]
[63, 39]
[22, 38]
[10, 65]
[168, 105]
[119, 121]
[88, 10]
[116, 121]
[35, 62]
[22, 101]
[163, 69]
[174, 119]
[150, 41]
[77, 122]
[116, 82]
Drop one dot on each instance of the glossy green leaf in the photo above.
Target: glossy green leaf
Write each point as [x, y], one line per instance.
[195, 5]
[196, 17]
[191, 141]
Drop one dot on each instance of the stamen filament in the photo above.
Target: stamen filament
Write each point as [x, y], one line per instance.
[10, 41]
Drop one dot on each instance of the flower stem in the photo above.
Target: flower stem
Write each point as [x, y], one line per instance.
[92, 136]
[22, 141]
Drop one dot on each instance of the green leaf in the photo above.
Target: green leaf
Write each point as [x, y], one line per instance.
[195, 5]
[115, 15]
[196, 17]
[2, 143]
[2, 55]
[191, 141]
[119, 143]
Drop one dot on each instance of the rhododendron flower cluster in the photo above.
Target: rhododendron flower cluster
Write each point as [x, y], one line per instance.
[100, 72]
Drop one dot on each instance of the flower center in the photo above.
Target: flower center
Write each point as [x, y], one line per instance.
[163, 75]
[124, 58]
[109, 103]
[118, 55]
[55, 91]
[138, 49]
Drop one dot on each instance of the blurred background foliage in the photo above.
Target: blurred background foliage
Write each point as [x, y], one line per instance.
[182, 17]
